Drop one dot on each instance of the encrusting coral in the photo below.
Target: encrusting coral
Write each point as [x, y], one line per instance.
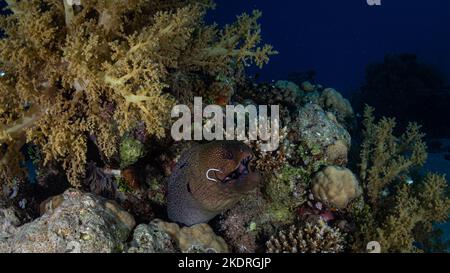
[97, 67]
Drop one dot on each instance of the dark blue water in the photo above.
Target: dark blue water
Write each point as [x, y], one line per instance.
[339, 38]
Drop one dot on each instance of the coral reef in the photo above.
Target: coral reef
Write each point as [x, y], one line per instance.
[151, 239]
[384, 157]
[310, 238]
[332, 101]
[318, 128]
[240, 225]
[86, 89]
[96, 68]
[397, 211]
[80, 223]
[9, 221]
[195, 239]
[130, 150]
[335, 186]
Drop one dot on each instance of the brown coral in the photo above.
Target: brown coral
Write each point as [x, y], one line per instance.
[100, 68]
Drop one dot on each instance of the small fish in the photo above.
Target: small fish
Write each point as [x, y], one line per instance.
[208, 180]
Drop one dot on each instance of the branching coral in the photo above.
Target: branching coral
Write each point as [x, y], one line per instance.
[311, 238]
[384, 157]
[98, 67]
[397, 213]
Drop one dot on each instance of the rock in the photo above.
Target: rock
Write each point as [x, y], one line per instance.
[151, 239]
[50, 204]
[9, 221]
[332, 100]
[195, 239]
[337, 153]
[320, 129]
[335, 186]
[287, 85]
[308, 86]
[80, 222]
[311, 97]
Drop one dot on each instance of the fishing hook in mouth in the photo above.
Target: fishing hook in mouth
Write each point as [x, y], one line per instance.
[212, 170]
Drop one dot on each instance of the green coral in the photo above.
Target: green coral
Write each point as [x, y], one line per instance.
[122, 185]
[282, 187]
[131, 150]
[157, 192]
[397, 214]
[287, 189]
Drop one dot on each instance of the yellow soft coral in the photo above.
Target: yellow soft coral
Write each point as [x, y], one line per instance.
[397, 211]
[76, 69]
[384, 156]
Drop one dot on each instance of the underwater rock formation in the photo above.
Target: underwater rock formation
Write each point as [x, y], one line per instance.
[331, 100]
[81, 222]
[151, 239]
[321, 131]
[308, 86]
[335, 186]
[310, 238]
[209, 179]
[195, 239]
[9, 221]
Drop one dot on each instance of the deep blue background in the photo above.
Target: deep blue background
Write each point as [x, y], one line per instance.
[338, 38]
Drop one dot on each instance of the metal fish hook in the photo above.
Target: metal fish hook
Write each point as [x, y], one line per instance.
[209, 178]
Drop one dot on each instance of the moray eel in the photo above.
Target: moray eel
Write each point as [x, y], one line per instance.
[209, 179]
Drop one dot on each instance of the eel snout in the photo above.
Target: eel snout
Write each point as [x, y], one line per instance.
[241, 170]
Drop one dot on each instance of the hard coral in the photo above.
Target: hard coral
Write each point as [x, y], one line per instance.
[333, 101]
[194, 239]
[311, 238]
[335, 186]
[97, 67]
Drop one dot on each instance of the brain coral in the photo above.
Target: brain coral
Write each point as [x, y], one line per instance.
[335, 186]
[195, 239]
[334, 101]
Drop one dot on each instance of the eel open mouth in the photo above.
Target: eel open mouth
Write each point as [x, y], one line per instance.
[241, 170]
